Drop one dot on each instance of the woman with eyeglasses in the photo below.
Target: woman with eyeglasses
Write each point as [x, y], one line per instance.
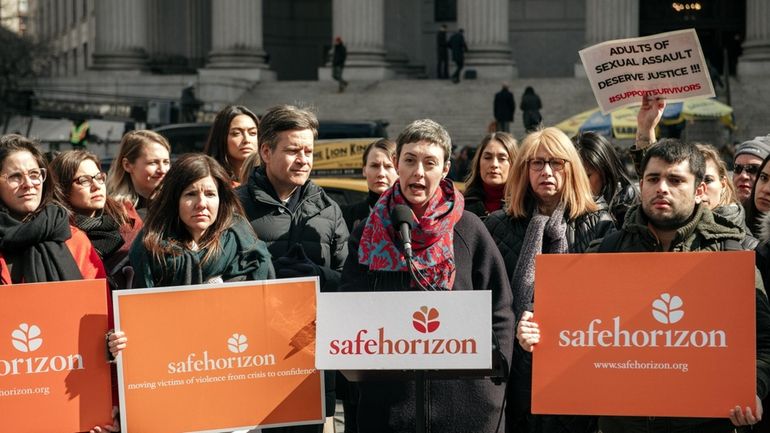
[38, 241]
[142, 162]
[110, 226]
[550, 209]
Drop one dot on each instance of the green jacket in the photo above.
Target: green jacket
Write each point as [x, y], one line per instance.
[704, 232]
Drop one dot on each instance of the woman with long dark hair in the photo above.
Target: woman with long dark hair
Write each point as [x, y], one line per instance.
[194, 231]
[607, 175]
[550, 209]
[485, 186]
[452, 251]
[110, 226]
[233, 137]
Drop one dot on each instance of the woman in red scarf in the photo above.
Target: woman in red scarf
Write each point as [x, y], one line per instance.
[452, 251]
[485, 186]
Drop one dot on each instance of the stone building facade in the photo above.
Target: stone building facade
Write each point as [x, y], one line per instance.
[228, 45]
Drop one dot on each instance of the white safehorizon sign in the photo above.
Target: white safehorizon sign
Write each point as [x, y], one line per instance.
[404, 330]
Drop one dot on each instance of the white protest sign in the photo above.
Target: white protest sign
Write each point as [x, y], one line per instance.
[404, 330]
[669, 65]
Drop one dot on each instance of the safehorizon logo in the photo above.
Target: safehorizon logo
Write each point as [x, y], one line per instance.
[26, 339]
[666, 309]
[237, 343]
[425, 321]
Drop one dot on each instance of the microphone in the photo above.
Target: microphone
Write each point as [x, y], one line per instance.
[403, 218]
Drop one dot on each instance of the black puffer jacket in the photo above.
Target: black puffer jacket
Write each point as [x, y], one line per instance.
[509, 232]
[316, 224]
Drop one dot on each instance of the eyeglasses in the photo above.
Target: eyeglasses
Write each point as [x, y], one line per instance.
[87, 180]
[556, 164]
[36, 176]
[751, 169]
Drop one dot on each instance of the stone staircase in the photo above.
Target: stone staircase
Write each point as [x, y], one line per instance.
[465, 109]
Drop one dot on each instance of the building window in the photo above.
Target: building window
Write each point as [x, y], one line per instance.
[445, 10]
[85, 55]
[74, 61]
[85, 9]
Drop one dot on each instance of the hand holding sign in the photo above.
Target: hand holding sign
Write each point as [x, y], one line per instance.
[648, 118]
[528, 332]
[739, 418]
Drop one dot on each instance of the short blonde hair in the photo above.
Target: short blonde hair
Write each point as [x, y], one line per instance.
[249, 164]
[576, 191]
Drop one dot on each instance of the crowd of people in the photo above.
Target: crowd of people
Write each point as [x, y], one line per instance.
[245, 209]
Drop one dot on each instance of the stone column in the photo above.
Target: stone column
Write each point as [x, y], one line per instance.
[485, 24]
[121, 35]
[361, 25]
[756, 48]
[607, 20]
[236, 34]
[236, 43]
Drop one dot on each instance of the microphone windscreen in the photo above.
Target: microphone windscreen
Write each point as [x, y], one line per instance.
[402, 214]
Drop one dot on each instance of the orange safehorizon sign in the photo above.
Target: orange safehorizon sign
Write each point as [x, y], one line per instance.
[645, 334]
[219, 357]
[54, 374]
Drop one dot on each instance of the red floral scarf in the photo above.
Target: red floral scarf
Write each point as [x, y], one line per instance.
[432, 237]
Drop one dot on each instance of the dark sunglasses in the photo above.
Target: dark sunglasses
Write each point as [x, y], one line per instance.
[751, 169]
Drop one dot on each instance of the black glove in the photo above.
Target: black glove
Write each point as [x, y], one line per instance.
[296, 264]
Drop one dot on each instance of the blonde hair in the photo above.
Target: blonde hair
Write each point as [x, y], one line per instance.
[249, 164]
[710, 153]
[119, 184]
[576, 191]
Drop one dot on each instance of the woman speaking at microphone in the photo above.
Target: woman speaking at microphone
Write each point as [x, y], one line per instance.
[451, 250]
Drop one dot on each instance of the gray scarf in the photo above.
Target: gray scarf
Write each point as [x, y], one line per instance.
[545, 235]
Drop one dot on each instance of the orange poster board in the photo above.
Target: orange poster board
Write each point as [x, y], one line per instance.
[54, 374]
[645, 334]
[219, 357]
